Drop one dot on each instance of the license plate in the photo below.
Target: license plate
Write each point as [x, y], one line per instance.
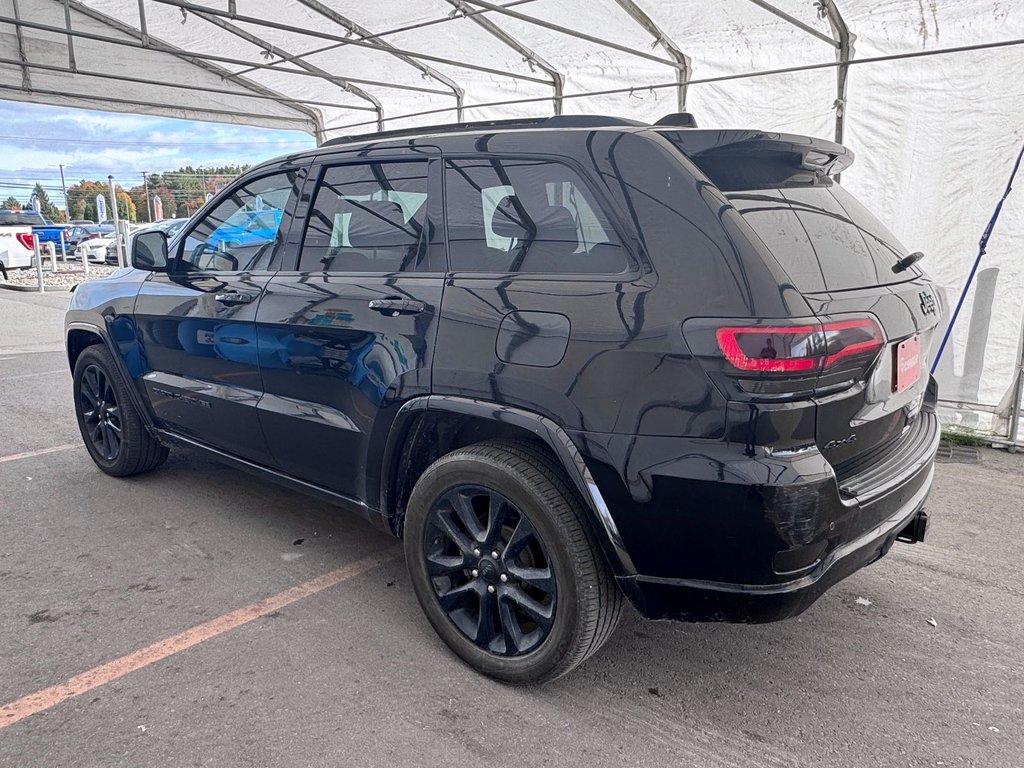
[906, 366]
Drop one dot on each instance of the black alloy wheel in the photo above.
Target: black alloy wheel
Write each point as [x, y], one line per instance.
[490, 570]
[505, 562]
[111, 426]
[100, 412]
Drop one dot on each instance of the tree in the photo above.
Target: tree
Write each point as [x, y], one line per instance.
[138, 196]
[82, 201]
[50, 211]
[11, 204]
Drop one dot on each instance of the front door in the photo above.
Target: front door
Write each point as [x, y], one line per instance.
[196, 322]
[349, 334]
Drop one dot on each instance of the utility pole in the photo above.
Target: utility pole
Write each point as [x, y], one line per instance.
[145, 183]
[67, 210]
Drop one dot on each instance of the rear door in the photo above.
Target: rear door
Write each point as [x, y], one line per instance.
[545, 305]
[347, 333]
[842, 259]
[197, 324]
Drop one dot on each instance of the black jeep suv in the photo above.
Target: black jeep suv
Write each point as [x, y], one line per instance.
[568, 360]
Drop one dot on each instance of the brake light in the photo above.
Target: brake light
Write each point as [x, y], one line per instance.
[27, 239]
[808, 348]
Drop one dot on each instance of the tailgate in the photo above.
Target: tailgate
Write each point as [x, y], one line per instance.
[883, 409]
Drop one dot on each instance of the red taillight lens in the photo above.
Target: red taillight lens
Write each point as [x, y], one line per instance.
[847, 339]
[799, 348]
[27, 239]
[772, 349]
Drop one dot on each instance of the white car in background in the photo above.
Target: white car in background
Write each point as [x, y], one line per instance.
[95, 249]
[16, 248]
[16, 244]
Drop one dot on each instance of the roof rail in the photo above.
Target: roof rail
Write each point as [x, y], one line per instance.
[558, 121]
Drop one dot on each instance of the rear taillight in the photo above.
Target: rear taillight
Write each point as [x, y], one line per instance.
[814, 347]
[785, 359]
[27, 239]
[90, 237]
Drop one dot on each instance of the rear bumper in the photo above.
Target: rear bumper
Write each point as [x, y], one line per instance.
[722, 532]
[696, 600]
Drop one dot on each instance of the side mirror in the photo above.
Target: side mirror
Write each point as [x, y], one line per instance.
[149, 251]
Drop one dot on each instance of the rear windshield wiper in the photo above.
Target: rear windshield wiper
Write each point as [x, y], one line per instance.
[907, 261]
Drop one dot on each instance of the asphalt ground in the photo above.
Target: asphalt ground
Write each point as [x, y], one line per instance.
[199, 617]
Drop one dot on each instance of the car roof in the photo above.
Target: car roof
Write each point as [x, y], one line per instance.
[410, 137]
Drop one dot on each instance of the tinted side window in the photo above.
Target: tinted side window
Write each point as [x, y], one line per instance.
[242, 232]
[368, 217]
[526, 216]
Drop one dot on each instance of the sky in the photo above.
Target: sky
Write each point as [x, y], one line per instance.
[35, 139]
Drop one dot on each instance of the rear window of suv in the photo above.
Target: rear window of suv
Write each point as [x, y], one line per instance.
[823, 237]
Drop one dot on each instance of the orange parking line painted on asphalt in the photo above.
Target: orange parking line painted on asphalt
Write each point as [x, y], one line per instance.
[42, 700]
[40, 452]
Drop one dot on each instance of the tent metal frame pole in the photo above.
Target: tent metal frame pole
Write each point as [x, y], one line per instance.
[529, 56]
[685, 71]
[26, 79]
[204, 60]
[314, 117]
[844, 40]
[1017, 399]
[155, 104]
[143, 30]
[396, 30]
[71, 38]
[795, 22]
[352, 27]
[1014, 42]
[342, 83]
[184, 86]
[570, 32]
[268, 24]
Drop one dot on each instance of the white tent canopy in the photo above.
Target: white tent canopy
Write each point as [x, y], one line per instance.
[935, 136]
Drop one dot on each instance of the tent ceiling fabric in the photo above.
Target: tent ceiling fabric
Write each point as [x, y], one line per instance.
[934, 137]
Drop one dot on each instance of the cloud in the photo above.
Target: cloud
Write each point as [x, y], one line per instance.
[91, 145]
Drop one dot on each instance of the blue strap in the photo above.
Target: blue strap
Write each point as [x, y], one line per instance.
[982, 247]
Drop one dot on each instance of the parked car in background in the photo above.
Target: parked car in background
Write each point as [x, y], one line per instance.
[82, 223]
[612, 361]
[95, 248]
[168, 226]
[16, 239]
[44, 231]
[79, 232]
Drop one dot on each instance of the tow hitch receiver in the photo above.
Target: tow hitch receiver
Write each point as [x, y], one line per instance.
[916, 528]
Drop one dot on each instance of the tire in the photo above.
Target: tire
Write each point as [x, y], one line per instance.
[559, 603]
[106, 415]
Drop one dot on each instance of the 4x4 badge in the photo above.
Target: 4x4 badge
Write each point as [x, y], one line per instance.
[927, 303]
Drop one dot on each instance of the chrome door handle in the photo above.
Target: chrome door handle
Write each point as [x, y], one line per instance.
[231, 298]
[395, 306]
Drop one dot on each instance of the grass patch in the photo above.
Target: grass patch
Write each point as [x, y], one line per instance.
[963, 436]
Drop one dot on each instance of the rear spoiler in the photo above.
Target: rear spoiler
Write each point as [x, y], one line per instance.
[736, 159]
